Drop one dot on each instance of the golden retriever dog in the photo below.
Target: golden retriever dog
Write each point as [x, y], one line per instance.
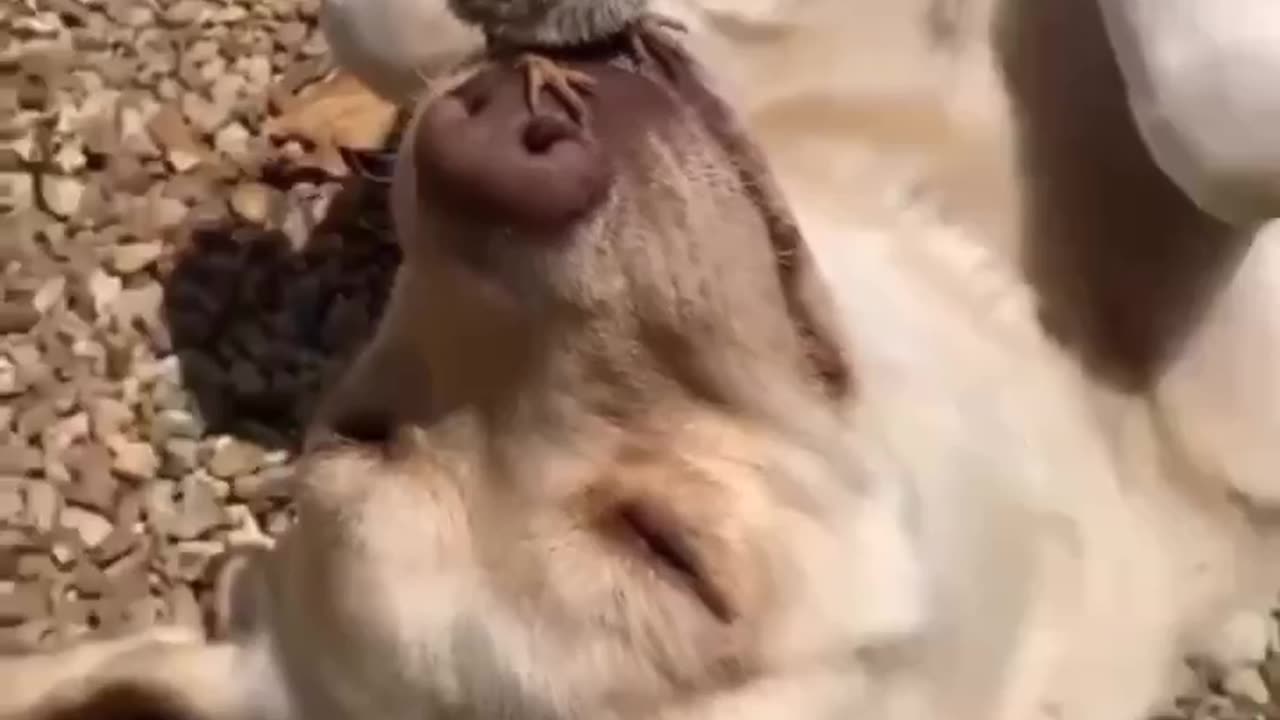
[868, 367]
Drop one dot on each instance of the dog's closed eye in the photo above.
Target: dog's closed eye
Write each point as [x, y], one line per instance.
[656, 532]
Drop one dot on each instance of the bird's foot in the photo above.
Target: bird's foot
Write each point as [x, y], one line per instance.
[567, 84]
[651, 42]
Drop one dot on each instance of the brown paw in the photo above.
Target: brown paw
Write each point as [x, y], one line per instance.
[568, 85]
[651, 42]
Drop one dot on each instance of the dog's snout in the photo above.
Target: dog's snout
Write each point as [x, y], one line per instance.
[483, 152]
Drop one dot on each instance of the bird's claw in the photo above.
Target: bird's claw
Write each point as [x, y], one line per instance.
[565, 83]
[651, 41]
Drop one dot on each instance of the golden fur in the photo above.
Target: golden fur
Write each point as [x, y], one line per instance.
[1029, 503]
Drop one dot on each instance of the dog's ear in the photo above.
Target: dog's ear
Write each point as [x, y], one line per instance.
[807, 298]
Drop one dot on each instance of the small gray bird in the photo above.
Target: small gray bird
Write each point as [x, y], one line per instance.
[524, 27]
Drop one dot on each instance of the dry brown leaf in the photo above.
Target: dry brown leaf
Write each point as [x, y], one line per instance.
[336, 112]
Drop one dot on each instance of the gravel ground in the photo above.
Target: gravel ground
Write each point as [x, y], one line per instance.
[183, 265]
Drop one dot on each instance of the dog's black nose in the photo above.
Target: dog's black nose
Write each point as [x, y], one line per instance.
[482, 152]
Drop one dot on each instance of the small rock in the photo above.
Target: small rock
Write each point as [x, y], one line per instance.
[270, 483]
[134, 460]
[245, 532]
[50, 294]
[257, 71]
[61, 195]
[181, 456]
[227, 87]
[167, 212]
[177, 423]
[140, 305]
[161, 509]
[291, 35]
[29, 361]
[143, 140]
[205, 115]
[33, 93]
[65, 433]
[199, 511]
[253, 202]
[119, 543]
[143, 612]
[233, 141]
[69, 159]
[185, 12]
[203, 50]
[11, 383]
[37, 418]
[172, 132]
[132, 257]
[104, 289]
[19, 459]
[11, 502]
[91, 527]
[36, 566]
[233, 457]
[55, 471]
[108, 418]
[64, 552]
[190, 560]
[17, 191]
[94, 486]
[43, 506]
[129, 13]
[89, 579]
[17, 318]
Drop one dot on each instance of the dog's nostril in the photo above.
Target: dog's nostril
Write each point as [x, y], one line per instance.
[543, 132]
[475, 103]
